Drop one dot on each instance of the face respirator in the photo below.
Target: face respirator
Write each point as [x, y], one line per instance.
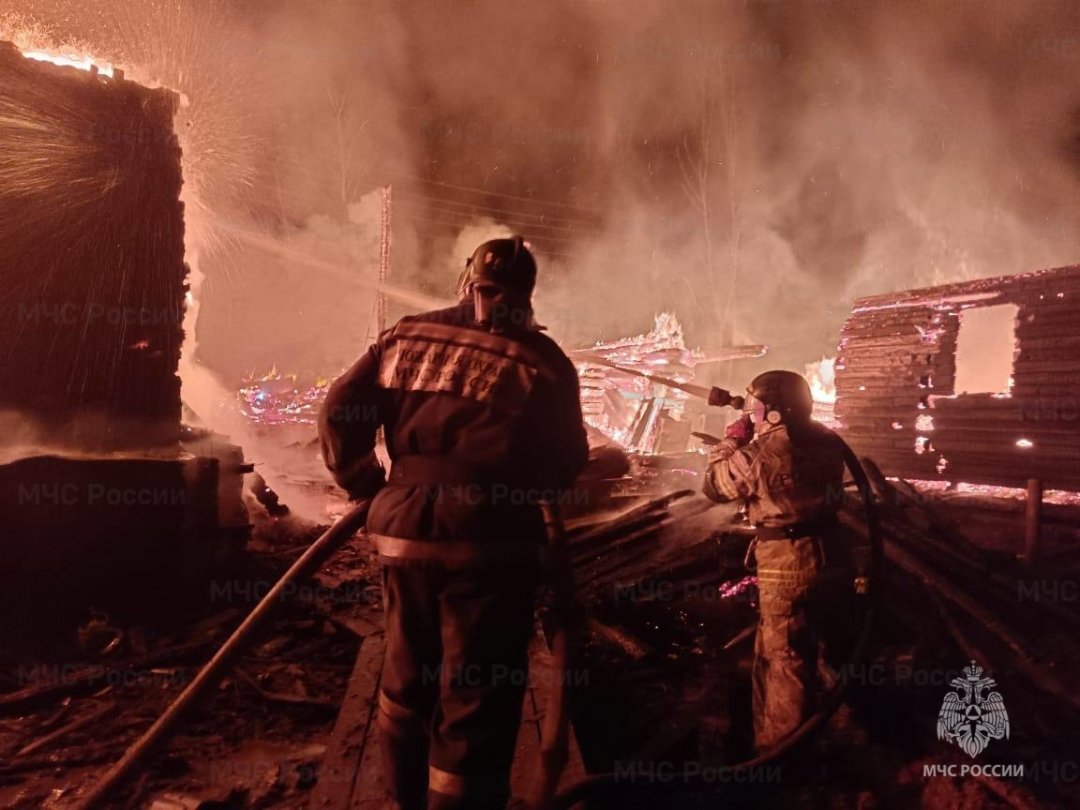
[489, 304]
[499, 278]
[759, 412]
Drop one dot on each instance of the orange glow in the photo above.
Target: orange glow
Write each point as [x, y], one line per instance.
[822, 378]
[84, 62]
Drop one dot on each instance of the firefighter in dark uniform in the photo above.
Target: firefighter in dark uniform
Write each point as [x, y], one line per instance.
[482, 422]
[789, 471]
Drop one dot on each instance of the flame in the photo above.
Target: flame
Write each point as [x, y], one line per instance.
[84, 62]
[278, 398]
[617, 405]
[822, 378]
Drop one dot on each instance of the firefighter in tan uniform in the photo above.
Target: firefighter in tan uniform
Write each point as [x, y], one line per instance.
[482, 420]
[789, 471]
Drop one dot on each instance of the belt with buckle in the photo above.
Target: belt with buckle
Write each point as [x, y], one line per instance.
[793, 530]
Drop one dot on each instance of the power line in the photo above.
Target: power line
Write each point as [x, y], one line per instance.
[458, 227]
[441, 201]
[539, 248]
[556, 233]
[485, 192]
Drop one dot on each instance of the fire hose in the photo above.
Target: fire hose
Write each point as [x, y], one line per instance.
[555, 728]
[214, 670]
[867, 590]
[556, 725]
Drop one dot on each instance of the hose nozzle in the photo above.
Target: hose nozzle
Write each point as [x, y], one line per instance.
[718, 397]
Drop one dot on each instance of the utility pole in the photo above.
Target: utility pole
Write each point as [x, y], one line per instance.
[384, 257]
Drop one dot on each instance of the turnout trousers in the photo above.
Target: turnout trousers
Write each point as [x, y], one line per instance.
[453, 681]
[806, 621]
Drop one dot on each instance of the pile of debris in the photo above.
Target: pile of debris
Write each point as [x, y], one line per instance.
[282, 399]
[73, 705]
[631, 411]
[671, 611]
[671, 604]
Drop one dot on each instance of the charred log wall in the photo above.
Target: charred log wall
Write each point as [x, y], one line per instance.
[897, 362]
[92, 274]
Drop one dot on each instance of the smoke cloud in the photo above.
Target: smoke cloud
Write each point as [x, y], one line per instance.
[752, 165]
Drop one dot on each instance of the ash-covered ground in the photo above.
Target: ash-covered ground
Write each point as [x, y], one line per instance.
[663, 705]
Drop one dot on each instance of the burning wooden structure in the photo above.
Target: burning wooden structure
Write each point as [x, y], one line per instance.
[91, 318]
[632, 389]
[631, 411]
[95, 481]
[972, 382]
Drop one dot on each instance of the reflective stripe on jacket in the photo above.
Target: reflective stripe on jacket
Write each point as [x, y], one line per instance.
[786, 476]
[480, 428]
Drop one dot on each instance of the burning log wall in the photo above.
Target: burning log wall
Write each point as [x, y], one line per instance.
[896, 374]
[105, 501]
[91, 256]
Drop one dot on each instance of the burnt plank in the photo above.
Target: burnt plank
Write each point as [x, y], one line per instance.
[527, 752]
[342, 782]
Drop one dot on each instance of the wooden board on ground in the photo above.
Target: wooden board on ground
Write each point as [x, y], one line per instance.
[527, 755]
[350, 777]
[353, 734]
[369, 790]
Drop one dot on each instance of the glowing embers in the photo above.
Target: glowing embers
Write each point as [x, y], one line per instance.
[735, 587]
[1051, 496]
[931, 334]
[924, 423]
[86, 62]
[282, 399]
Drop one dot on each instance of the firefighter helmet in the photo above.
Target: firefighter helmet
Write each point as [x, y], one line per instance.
[504, 263]
[780, 396]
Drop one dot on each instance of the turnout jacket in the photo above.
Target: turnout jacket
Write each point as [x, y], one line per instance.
[787, 477]
[480, 428]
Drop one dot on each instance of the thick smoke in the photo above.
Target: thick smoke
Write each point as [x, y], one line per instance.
[752, 165]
